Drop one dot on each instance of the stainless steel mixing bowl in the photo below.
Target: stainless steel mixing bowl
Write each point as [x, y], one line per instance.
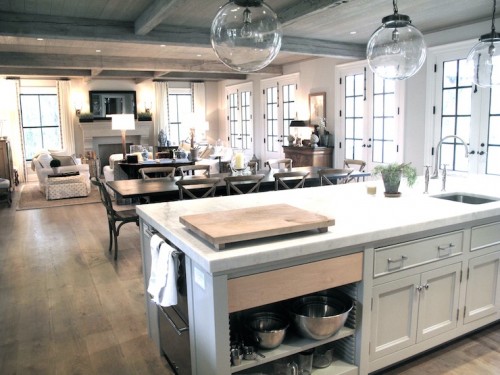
[268, 328]
[320, 316]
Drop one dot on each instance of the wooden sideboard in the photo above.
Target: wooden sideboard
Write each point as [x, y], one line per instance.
[309, 156]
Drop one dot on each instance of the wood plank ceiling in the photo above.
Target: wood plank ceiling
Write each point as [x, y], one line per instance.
[170, 39]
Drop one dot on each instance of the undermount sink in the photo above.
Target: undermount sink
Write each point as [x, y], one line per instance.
[466, 198]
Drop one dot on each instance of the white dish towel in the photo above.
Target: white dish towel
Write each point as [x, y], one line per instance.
[163, 279]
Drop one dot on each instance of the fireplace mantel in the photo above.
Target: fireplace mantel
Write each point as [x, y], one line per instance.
[98, 132]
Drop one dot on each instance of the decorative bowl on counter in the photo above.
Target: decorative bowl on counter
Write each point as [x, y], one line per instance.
[320, 316]
[268, 328]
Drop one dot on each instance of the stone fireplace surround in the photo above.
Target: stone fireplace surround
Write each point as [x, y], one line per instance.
[97, 134]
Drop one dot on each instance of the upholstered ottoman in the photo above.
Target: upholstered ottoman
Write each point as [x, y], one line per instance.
[65, 187]
[5, 193]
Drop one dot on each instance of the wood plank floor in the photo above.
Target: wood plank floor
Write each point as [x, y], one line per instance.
[67, 308]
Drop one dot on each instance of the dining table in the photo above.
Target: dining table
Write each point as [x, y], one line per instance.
[165, 189]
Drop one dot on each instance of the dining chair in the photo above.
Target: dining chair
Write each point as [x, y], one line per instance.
[290, 180]
[243, 184]
[186, 170]
[342, 175]
[195, 188]
[156, 172]
[116, 219]
[352, 163]
[279, 163]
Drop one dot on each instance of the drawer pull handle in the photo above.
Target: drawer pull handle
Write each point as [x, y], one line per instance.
[403, 257]
[448, 247]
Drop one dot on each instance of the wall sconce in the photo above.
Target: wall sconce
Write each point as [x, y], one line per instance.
[78, 109]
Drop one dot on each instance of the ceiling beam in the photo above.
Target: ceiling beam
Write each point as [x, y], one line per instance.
[304, 9]
[323, 48]
[155, 14]
[65, 28]
[36, 60]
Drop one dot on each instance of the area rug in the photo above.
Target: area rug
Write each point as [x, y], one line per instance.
[31, 198]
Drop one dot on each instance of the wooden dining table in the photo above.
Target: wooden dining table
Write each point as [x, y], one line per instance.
[165, 189]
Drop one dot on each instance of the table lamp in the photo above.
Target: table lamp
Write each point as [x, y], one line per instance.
[123, 123]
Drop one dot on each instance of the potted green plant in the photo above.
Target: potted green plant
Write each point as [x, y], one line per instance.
[391, 175]
[55, 164]
[144, 116]
[86, 117]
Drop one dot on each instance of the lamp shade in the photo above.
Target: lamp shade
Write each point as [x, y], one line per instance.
[123, 122]
[246, 35]
[396, 50]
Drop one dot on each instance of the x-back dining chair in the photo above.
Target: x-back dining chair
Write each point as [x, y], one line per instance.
[195, 188]
[248, 183]
[115, 218]
[185, 170]
[290, 180]
[156, 172]
[342, 175]
[285, 163]
[352, 164]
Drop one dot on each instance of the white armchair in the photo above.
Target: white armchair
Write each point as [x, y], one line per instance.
[41, 165]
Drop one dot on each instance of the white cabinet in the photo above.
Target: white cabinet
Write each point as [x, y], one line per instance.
[483, 279]
[414, 308]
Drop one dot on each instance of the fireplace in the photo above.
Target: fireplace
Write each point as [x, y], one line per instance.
[99, 137]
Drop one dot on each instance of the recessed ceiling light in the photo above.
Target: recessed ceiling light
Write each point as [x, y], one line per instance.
[40, 39]
[353, 32]
[162, 45]
[198, 55]
[98, 50]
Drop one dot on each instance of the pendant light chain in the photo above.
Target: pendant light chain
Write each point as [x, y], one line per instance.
[395, 6]
[493, 18]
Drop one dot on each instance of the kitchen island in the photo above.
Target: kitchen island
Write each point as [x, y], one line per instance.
[406, 259]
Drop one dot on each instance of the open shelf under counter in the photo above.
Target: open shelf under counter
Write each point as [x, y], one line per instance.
[293, 344]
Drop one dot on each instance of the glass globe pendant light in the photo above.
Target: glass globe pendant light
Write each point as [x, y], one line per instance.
[485, 57]
[396, 50]
[246, 35]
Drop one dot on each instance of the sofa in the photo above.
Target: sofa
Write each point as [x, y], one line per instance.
[41, 165]
[209, 155]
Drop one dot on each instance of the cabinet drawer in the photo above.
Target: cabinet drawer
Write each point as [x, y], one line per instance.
[484, 236]
[278, 285]
[411, 254]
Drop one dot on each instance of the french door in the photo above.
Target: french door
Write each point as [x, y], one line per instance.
[240, 118]
[369, 117]
[279, 98]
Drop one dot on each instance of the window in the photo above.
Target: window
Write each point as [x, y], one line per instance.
[461, 109]
[40, 121]
[179, 108]
[369, 116]
[240, 116]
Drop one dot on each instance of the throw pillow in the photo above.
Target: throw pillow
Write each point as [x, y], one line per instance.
[65, 160]
[44, 160]
[206, 153]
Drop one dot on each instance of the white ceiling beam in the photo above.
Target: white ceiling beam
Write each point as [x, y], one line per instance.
[155, 14]
[323, 48]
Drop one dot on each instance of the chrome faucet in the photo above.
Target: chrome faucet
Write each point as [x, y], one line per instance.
[435, 174]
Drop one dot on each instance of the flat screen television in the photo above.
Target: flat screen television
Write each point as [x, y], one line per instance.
[104, 103]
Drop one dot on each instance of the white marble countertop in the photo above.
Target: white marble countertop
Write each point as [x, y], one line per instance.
[359, 219]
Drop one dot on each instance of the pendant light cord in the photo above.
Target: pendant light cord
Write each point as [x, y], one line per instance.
[395, 6]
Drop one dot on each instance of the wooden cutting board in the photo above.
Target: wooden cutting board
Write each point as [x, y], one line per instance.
[222, 227]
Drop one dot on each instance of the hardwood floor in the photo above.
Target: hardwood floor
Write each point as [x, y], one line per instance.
[67, 308]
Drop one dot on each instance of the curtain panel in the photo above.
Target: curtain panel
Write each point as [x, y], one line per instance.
[66, 116]
[161, 104]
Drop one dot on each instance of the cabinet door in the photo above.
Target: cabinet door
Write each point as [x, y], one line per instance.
[439, 292]
[394, 316]
[483, 287]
